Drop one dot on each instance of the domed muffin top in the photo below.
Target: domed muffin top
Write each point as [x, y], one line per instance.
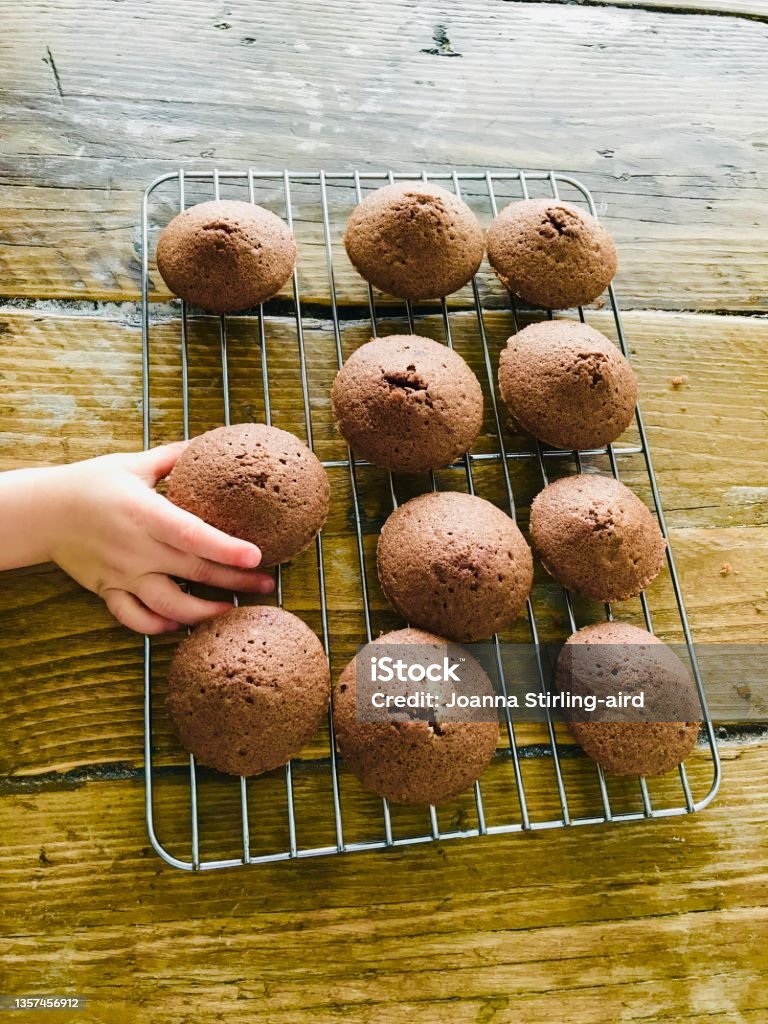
[255, 482]
[596, 537]
[567, 384]
[455, 564]
[551, 253]
[407, 403]
[226, 256]
[414, 240]
[248, 689]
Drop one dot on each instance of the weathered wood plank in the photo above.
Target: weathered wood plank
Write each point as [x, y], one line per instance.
[754, 9]
[662, 115]
[650, 971]
[64, 655]
[72, 388]
[469, 928]
[672, 148]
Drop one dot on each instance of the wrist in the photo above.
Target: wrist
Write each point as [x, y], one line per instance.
[56, 492]
[34, 507]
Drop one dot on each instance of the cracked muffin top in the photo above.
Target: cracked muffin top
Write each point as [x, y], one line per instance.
[596, 537]
[455, 564]
[255, 482]
[408, 404]
[248, 689]
[226, 256]
[420, 761]
[551, 254]
[567, 384]
[414, 240]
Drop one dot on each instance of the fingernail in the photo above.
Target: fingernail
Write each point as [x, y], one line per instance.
[268, 585]
[252, 558]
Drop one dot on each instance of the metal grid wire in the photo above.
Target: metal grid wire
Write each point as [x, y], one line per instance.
[320, 182]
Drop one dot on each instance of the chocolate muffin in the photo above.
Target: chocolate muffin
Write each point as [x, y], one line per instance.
[596, 537]
[612, 658]
[226, 256]
[550, 253]
[248, 689]
[567, 384]
[407, 403]
[254, 482]
[454, 564]
[414, 240]
[418, 761]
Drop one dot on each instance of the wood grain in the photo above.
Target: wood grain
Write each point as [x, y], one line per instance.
[73, 391]
[658, 106]
[459, 931]
[671, 145]
[751, 9]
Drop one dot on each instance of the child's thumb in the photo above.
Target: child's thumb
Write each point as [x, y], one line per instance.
[156, 463]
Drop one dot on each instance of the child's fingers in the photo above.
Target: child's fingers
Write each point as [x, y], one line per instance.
[179, 528]
[202, 570]
[168, 600]
[156, 463]
[130, 612]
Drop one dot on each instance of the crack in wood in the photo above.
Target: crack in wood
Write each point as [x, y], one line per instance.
[76, 778]
[655, 8]
[55, 71]
[442, 47]
[129, 311]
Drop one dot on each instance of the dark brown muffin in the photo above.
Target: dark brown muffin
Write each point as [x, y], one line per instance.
[254, 482]
[610, 658]
[418, 761]
[414, 240]
[407, 403]
[248, 689]
[567, 384]
[550, 253]
[454, 564]
[596, 537]
[226, 256]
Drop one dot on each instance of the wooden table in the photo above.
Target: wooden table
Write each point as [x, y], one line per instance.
[660, 108]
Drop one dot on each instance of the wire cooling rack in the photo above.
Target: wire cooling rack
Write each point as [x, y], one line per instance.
[314, 806]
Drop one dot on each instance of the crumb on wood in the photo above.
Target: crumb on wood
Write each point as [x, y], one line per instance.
[678, 382]
[726, 569]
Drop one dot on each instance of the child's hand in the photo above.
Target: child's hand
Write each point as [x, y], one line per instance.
[121, 539]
